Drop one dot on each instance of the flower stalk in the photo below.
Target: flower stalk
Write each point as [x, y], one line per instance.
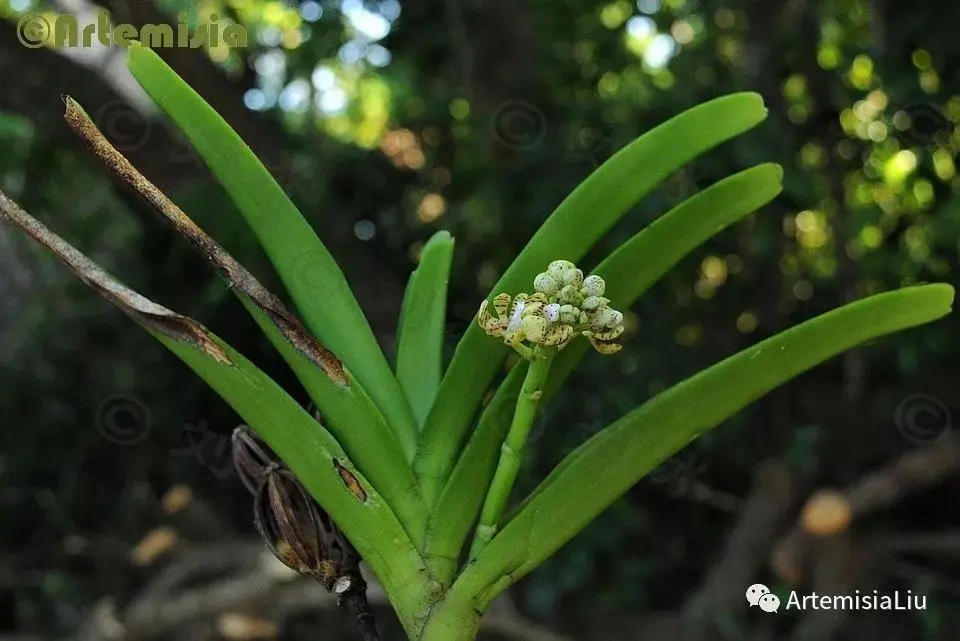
[537, 326]
[511, 452]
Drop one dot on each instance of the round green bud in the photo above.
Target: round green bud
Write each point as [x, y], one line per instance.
[606, 318]
[593, 285]
[546, 284]
[573, 277]
[569, 294]
[594, 303]
[558, 268]
[569, 314]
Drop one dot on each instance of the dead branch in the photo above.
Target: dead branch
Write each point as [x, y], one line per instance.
[250, 581]
[829, 512]
[763, 513]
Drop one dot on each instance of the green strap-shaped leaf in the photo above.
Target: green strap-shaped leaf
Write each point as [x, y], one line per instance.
[354, 419]
[580, 220]
[463, 496]
[421, 327]
[607, 465]
[635, 266]
[307, 269]
[309, 450]
[355, 422]
[629, 272]
[306, 447]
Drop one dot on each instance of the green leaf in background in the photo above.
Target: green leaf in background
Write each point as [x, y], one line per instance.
[573, 228]
[629, 272]
[608, 464]
[304, 264]
[420, 332]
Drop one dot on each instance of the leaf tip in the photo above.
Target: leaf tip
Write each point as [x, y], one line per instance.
[946, 293]
[777, 170]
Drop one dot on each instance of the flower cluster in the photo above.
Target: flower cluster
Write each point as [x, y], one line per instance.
[565, 305]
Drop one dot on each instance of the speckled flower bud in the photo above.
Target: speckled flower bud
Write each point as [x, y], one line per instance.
[552, 312]
[594, 303]
[573, 277]
[546, 284]
[570, 294]
[569, 314]
[593, 286]
[607, 318]
[558, 267]
[565, 305]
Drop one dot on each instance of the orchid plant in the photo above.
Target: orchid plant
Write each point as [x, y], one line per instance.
[409, 470]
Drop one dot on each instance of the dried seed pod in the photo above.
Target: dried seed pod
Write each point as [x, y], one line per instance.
[252, 456]
[299, 532]
[304, 537]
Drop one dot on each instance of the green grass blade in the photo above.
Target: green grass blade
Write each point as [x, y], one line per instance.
[304, 264]
[607, 465]
[306, 446]
[421, 327]
[629, 272]
[579, 221]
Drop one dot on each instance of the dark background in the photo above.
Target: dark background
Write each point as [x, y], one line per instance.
[387, 121]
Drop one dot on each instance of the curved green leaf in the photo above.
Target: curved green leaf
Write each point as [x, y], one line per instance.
[579, 221]
[607, 465]
[636, 265]
[304, 264]
[629, 272]
[352, 416]
[310, 451]
[421, 327]
[305, 446]
[358, 425]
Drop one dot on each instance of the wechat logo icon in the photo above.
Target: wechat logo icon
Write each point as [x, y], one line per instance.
[760, 595]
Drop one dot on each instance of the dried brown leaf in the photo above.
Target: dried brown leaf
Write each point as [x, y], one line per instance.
[141, 309]
[235, 274]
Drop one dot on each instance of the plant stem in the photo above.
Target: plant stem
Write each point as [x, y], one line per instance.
[454, 619]
[355, 603]
[512, 449]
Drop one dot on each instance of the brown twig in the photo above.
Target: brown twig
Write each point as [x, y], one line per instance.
[743, 555]
[236, 275]
[252, 580]
[875, 491]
